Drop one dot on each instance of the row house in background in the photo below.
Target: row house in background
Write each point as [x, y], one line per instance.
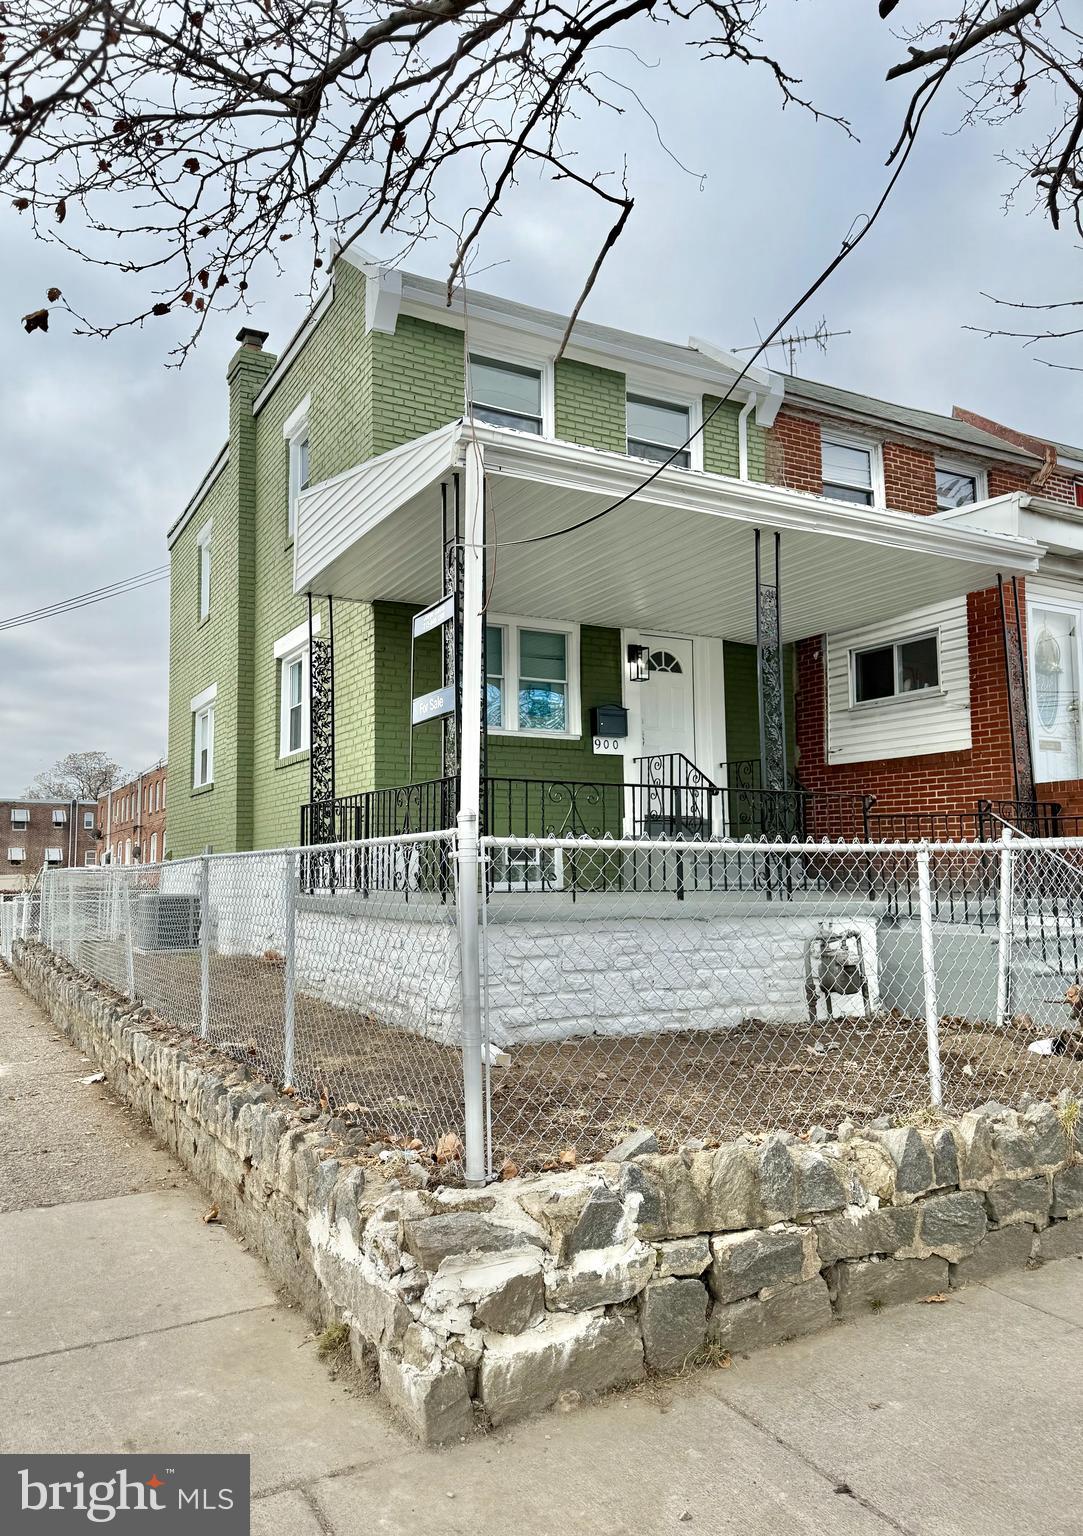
[131, 818]
[827, 615]
[39, 832]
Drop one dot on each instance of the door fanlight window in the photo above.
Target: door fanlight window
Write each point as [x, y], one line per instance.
[663, 661]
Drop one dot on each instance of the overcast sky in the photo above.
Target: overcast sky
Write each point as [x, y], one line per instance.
[103, 444]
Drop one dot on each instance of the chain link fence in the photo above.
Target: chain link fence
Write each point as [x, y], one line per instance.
[699, 990]
[17, 921]
[708, 990]
[334, 972]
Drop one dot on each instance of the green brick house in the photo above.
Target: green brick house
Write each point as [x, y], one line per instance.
[323, 528]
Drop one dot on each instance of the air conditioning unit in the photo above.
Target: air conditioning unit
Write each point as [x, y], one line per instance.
[165, 920]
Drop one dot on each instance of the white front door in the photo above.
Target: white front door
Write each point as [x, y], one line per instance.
[1053, 633]
[668, 699]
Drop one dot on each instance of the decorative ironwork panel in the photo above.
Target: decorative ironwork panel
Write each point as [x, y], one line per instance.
[321, 714]
[1015, 676]
[769, 668]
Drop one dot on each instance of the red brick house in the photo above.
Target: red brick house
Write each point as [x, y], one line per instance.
[916, 711]
[131, 818]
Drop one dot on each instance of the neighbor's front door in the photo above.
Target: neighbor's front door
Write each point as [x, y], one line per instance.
[668, 702]
[1054, 643]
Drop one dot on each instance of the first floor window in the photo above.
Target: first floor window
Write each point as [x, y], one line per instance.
[16, 855]
[506, 394]
[204, 747]
[154, 847]
[847, 471]
[294, 705]
[90, 858]
[54, 855]
[889, 671]
[529, 678]
[658, 431]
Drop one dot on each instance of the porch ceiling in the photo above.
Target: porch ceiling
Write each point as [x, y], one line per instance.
[680, 556]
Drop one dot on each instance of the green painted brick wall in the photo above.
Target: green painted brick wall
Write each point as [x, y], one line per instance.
[368, 393]
[742, 702]
[721, 455]
[589, 405]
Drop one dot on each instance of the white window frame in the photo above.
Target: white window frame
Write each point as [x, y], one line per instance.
[128, 851]
[290, 648]
[203, 570]
[88, 821]
[693, 404]
[897, 698]
[16, 855]
[295, 429]
[973, 471]
[202, 705]
[511, 625]
[501, 880]
[54, 855]
[870, 445]
[60, 817]
[20, 816]
[90, 858]
[154, 847]
[514, 359]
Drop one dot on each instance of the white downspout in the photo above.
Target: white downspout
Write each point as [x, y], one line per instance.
[742, 436]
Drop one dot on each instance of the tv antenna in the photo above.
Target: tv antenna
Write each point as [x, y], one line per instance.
[792, 344]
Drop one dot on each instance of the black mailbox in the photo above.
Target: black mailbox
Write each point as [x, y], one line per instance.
[608, 720]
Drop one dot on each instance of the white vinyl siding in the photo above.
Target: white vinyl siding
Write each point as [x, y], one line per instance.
[910, 724]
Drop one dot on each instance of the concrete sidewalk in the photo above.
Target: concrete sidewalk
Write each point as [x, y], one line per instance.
[127, 1323]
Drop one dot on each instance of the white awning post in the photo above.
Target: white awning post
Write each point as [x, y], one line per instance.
[204, 947]
[928, 966]
[1004, 928]
[289, 892]
[469, 813]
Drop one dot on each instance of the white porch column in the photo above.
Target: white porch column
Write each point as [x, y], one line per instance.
[470, 789]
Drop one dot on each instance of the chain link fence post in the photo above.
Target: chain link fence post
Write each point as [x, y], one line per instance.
[204, 946]
[129, 946]
[289, 894]
[470, 991]
[72, 953]
[928, 967]
[1004, 929]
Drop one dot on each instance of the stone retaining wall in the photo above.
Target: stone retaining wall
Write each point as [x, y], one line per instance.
[490, 1304]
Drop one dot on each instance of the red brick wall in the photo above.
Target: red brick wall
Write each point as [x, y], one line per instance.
[793, 454]
[932, 781]
[138, 813]
[909, 479]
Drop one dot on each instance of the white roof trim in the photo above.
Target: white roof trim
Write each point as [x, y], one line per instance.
[204, 486]
[297, 418]
[208, 696]
[297, 638]
[294, 345]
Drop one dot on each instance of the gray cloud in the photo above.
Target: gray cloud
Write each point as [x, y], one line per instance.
[102, 444]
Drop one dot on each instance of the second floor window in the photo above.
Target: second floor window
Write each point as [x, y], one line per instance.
[299, 474]
[203, 547]
[20, 817]
[957, 487]
[658, 431]
[88, 820]
[506, 394]
[848, 471]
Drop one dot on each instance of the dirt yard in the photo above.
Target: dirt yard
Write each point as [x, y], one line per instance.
[585, 1094]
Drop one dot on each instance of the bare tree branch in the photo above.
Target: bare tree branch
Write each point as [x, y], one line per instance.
[184, 142]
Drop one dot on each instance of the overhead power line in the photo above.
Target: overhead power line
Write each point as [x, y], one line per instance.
[87, 599]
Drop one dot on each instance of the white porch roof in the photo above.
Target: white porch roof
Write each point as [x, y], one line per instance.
[680, 555]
